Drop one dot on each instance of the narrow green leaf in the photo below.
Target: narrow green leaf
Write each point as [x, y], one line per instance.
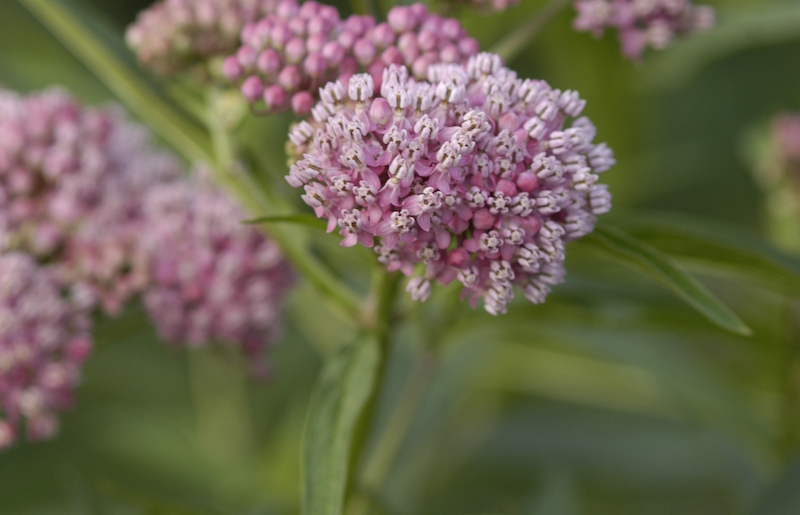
[342, 391]
[183, 135]
[307, 220]
[624, 248]
[712, 253]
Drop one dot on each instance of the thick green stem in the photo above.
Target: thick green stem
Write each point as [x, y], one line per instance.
[509, 47]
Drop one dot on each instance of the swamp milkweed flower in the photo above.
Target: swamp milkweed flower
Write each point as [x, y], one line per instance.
[286, 56]
[44, 339]
[642, 23]
[214, 279]
[476, 175]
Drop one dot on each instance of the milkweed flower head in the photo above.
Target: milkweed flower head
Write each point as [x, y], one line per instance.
[70, 176]
[175, 36]
[44, 339]
[214, 279]
[642, 24]
[287, 56]
[474, 175]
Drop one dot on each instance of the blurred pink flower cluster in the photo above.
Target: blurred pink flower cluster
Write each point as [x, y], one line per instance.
[642, 24]
[287, 56]
[474, 175]
[173, 36]
[91, 215]
[214, 279]
[44, 339]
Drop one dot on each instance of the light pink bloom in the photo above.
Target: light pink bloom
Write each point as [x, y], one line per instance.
[477, 175]
[44, 339]
[214, 279]
[642, 24]
[174, 36]
[287, 56]
[71, 183]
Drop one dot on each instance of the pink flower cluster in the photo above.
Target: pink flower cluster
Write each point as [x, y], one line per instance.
[44, 339]
[83, 191]
[475, 175]
[285, 57]
[70, 183]
[174, 36]
[642, 23]
[214, 279]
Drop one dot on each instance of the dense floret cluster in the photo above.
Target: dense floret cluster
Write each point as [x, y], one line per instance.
[44, 339]
[71, 179]
[83, 192]
[477, 175]
[214, 279]
[174, 36]
[642, 24]
[287, 56]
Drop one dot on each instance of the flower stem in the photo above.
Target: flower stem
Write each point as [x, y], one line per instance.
[231, 174]
[379, 311]
[509, 47]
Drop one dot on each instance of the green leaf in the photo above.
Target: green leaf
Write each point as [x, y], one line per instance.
[307, 220]
[340, 395]
[783, 497]
[722, 251]
[622, 247]
[183, 135]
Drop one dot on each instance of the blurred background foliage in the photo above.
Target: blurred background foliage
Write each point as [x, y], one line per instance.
[614, 397]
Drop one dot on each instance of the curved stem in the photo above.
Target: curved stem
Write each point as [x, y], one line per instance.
[509, 47]
[230, 173]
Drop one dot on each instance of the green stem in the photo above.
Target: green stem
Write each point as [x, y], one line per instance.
[380, 311]
[183, 135]
[230, 173]
[509, 47]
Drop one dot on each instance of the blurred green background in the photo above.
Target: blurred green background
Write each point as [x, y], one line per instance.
[613, 397]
